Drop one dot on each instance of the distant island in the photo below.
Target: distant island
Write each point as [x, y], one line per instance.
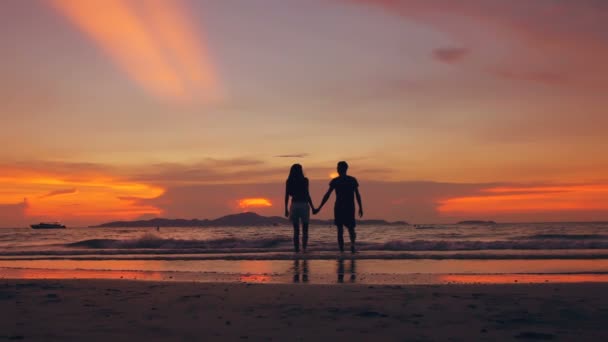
[477, 222]
[236, 220]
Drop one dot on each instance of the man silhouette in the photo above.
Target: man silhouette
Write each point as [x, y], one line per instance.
[346, 188]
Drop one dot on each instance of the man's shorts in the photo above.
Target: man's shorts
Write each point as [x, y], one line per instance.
[345, 216]
[299, 211]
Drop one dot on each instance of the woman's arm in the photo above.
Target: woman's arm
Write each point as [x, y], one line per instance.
[312, 206]
[286, 201]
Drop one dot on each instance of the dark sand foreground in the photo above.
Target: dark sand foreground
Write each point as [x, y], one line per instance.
[112, 310]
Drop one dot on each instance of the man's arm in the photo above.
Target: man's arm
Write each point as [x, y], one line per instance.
[358, 195]
[325, 198]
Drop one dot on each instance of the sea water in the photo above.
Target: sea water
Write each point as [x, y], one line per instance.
[530, 252]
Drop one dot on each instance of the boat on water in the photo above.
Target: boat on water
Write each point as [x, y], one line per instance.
[46, 225]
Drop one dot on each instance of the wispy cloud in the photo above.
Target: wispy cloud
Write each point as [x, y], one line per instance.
[293, 155]
[154, 43]
[59, 192]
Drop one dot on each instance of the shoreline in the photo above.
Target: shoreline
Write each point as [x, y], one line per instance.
[99, 310]
[287, 254]
[370, 272]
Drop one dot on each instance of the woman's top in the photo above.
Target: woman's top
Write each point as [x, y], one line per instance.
[298, 190]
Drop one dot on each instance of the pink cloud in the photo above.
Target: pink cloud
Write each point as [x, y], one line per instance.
[544, 41]
[450, 55]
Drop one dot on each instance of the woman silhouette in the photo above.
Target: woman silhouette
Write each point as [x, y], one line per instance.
[297, 187]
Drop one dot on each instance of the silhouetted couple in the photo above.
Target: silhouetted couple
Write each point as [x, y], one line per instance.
[347, 189]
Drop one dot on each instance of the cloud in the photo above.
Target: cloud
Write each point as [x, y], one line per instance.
[209, 171]
[213, 188]
[451, 55]
[130, 198]
[541, 41]
[235, 171]
[294, 155]
[94, 189]
[59, 192]
[412, 201]
[529, 199]
[153, 42]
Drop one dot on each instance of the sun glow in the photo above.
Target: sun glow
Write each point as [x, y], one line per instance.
[246, 203]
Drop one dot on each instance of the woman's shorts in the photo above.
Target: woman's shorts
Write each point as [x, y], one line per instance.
[299, 211]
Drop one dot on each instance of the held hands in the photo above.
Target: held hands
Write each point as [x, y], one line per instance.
[315, 211]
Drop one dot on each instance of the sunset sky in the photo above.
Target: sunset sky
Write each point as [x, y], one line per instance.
[445, 110]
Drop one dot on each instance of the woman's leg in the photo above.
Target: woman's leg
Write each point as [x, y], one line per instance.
[296, 236]
[304, 235]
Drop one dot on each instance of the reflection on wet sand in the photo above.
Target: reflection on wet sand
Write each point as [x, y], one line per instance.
[26, 273]
[300, 271]
[522, 278]
[351, 270]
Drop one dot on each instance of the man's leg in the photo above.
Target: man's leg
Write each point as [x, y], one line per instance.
[340, 237]
[353, 272]
[353, 237]
[296, 236]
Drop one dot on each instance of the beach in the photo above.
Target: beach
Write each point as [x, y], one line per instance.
[441, 283]
[121, 310]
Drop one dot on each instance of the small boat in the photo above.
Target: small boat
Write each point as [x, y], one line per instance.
[52, 225]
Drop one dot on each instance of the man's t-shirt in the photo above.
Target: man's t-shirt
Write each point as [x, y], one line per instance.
[345, 187]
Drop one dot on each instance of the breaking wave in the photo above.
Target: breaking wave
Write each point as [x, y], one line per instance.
[467, 245]
[150, 241]
[568, 236]
[227, 245]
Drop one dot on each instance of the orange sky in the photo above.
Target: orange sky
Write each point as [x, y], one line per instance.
[123, 109]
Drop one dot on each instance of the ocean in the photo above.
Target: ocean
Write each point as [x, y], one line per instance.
[387, 254]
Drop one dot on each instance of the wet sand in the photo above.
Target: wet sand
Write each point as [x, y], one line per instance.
[120, 310]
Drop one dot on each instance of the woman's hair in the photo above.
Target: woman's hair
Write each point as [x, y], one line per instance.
[296, 174]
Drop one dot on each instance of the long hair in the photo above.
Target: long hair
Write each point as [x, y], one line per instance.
[296, 174]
